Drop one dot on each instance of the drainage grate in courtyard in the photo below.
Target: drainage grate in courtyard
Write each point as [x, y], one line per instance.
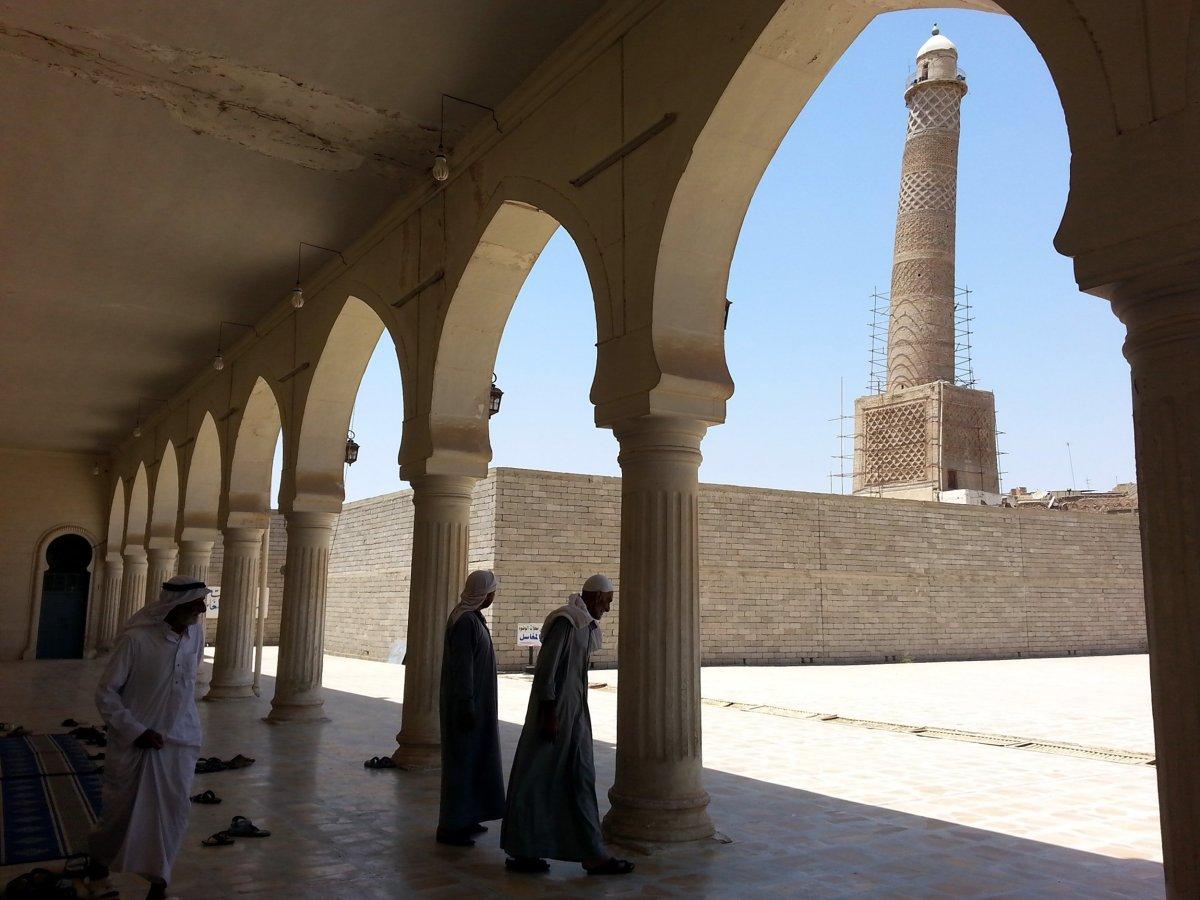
[871, 723]
[972, 737]
[1128, 757]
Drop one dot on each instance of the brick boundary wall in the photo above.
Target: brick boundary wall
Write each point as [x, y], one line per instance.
[786, 577]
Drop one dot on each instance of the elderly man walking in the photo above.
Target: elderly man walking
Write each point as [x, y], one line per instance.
[551, 809]
[472, 777]
[147, 698]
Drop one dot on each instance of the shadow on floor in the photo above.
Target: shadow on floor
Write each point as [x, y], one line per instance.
[344, 831]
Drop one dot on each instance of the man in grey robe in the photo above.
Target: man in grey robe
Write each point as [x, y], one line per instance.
[147, 696]
[472, 776]
[551, 809]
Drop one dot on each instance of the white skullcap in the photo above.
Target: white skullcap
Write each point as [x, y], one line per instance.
[599, 583]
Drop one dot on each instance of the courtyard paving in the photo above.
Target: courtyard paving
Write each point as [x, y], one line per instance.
[810, 808]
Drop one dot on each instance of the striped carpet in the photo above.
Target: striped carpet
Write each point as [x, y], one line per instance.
[49, 798]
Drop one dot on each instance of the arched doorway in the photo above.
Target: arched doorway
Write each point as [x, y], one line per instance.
[65, 583]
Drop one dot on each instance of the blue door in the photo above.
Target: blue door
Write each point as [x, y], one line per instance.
[64, 598]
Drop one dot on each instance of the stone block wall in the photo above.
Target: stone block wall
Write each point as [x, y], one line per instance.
[786, 577]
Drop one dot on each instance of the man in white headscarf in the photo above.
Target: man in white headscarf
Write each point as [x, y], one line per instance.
[147, 698]
[472, 776]
[551, 809]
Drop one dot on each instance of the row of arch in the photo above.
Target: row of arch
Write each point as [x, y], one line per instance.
[656, 232]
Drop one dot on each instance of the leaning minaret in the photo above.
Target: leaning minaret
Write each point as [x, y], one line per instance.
[921, 329]
[924, 435]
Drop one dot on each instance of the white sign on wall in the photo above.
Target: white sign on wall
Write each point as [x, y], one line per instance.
[214, 601]
[529, 634]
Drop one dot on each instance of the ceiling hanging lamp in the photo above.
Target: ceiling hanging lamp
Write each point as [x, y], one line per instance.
[440, 170]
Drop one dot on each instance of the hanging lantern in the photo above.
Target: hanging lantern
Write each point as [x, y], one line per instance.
[495, 397]
[351, 449]
[297, 297]
[441, 165]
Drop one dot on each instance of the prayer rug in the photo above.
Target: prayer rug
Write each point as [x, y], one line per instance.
[49, 798]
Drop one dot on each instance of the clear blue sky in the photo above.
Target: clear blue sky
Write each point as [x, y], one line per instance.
[817, 240]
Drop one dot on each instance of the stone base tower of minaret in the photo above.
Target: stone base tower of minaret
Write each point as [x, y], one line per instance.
[924, 435]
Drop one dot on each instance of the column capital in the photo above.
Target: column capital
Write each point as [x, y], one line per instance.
[660, 431]
[240, 534]
[162, 553]
[195, 547]
[133, 555]
[304, 519]
[1159, 308]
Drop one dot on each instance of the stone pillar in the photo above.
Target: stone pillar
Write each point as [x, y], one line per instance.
[298, 695]
[1163, 349]
[110, 610]
[161, 566]
[658, 794]
[233, 663]
[133, 585]
[441, 537]
[194, 559]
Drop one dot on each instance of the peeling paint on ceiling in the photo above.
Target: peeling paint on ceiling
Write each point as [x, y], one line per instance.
[267, 112]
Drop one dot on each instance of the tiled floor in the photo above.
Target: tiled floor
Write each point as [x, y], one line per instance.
[812, 809]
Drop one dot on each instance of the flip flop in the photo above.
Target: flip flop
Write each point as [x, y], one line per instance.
[70, 723]
[239, 762]
[220, 839]
[527, 866]
[611, 866]
[207, 798]
[243, 827]
[380, 762]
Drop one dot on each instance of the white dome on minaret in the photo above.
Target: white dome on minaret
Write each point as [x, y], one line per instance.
[937, 41]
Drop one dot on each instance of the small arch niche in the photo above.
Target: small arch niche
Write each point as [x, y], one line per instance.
[63, 617]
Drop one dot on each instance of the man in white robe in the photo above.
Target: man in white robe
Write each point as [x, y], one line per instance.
[147, 698]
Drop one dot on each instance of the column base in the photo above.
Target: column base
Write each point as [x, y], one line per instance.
[417, 756]
[650, 820]
[309, 712]
[229, 691]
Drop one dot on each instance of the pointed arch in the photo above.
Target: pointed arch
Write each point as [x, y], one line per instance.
[752, 110]
[202, 487]
[321, 448]
[139, 509]
[483, 299]
[253, 454]
[115, 538]
[164, 504]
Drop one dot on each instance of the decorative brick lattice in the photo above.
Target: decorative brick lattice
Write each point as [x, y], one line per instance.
[969, 432]
[894, 444]
[934, 108]
[926, 190]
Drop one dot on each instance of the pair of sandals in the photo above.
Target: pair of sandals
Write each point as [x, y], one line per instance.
[216, 764]
[380, 762]
[534, 866]
[207, 798]
[240, 827]
[14, 731]
[89, 735]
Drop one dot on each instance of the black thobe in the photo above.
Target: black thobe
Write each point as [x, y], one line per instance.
[472, 777]
[551, 809]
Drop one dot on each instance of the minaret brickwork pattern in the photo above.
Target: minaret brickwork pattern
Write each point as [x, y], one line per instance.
[921, 330]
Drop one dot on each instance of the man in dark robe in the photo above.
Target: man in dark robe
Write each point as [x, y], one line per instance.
[551, 808]
[472, 777]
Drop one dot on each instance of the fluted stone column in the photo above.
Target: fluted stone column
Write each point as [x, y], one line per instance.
[110, 611]
[298, 694]
[233, 662]
[441, 537]
[160, 566]
[658, 794]
[1162, 315]
[133, 584]
[194, 560]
